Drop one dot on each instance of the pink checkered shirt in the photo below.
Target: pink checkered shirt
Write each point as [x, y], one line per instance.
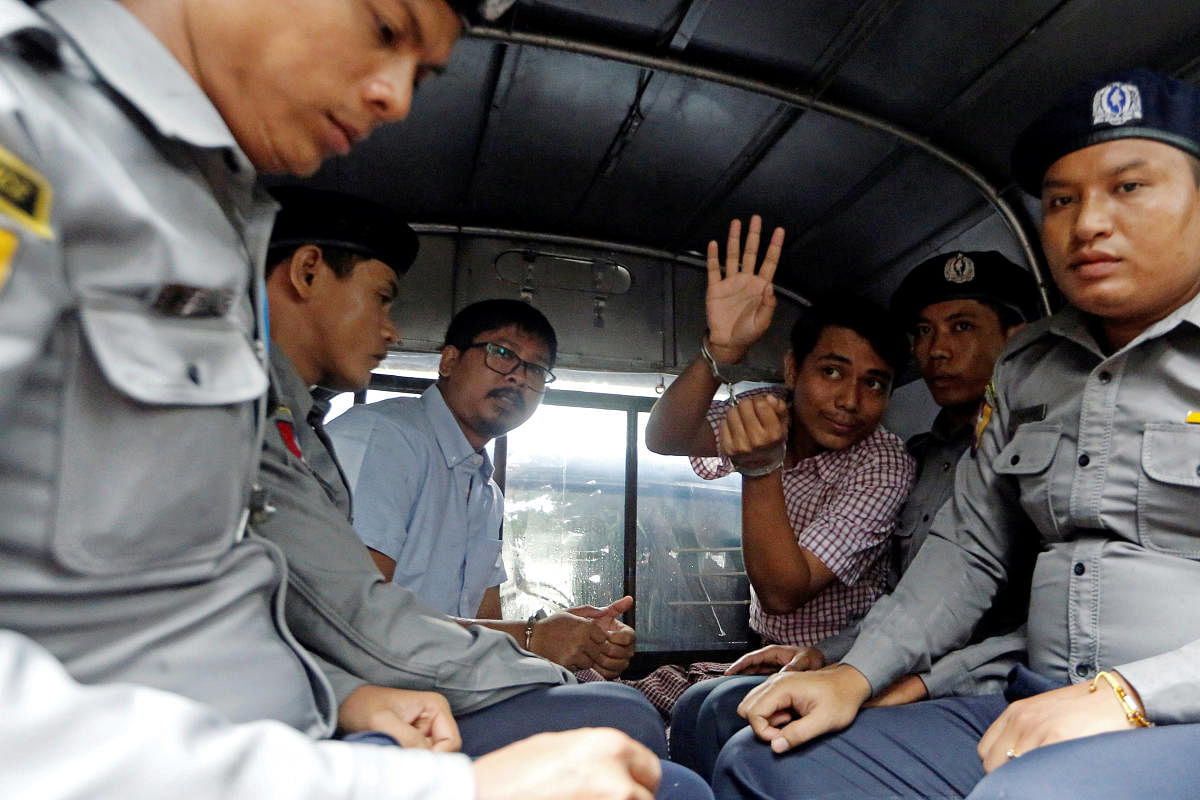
[843, 506]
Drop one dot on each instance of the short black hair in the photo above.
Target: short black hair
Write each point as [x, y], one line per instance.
[339, 259]
[869, 320]
[488, 315]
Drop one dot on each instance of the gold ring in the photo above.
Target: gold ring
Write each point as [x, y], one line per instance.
[1010, 753]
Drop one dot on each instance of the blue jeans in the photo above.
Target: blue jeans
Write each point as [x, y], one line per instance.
[927, 750]
[563, 708]
[704, 718]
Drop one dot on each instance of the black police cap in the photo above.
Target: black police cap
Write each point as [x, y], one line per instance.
[333, 219]
[1131, 104]
[976, 275]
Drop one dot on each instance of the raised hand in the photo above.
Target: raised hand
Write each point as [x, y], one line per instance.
[740, 304]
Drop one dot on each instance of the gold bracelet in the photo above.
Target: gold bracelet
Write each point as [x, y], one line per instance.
[1132, 712]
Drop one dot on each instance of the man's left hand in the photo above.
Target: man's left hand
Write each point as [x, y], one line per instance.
[418, 720]
[1055, 716]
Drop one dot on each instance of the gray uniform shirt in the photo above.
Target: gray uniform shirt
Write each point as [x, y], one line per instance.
[364, 629]
[1094, 456]
[978, 668]
[128, 373]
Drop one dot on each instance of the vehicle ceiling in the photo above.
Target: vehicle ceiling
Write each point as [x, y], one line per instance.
[633, 122]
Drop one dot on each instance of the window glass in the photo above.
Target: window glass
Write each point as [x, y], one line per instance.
[692, 590]
[564, 510]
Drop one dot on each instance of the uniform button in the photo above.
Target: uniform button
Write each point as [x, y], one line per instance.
[925, 518]
[1080, 568]
[1198, 470]
[1105, 377]
[1084, 460]
[1015, 460]
[193, 373]
[945, 466]
[1082, 670]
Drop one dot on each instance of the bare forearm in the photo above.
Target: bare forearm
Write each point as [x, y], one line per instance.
[678, 425]
[778, 570]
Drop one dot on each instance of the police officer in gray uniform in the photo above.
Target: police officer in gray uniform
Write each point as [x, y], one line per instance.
[1091, 437]
[131, 234]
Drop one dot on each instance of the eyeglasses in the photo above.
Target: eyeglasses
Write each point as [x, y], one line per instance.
[503, 360]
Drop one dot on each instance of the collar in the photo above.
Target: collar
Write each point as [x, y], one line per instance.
[830, 465]
[943, 432]
[132, 60]
[19, 17]
[290, 388]
[450, 438]
[1073, 324]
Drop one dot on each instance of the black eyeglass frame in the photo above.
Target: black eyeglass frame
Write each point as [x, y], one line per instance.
[531, 369]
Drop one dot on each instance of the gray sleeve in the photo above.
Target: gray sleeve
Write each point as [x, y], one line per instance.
[339, 606]
[835, 647]
[138, 743]
[342, 682]
[1168, 684]
[956, 574]
[980, 668]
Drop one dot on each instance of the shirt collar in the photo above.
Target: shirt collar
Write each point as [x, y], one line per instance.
[132, 60]
[290, 388]
[1073, 324]
[450, 438]
[830, 465]
[943, 432]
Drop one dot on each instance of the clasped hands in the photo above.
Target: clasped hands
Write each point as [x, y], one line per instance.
[587, 637]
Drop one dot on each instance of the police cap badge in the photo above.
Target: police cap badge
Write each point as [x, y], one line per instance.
[1132, 104]
[975, 275]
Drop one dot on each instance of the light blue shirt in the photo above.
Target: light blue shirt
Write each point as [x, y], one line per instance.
[424, 497]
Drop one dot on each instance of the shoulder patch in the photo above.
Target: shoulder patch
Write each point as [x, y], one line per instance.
[984, 415]
[8, 248]
[24, 195]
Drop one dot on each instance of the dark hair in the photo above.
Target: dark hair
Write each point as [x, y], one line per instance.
[488, 315]
[339, 259]
[869, 320]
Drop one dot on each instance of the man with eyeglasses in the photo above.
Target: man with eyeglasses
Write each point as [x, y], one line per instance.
[425, 501]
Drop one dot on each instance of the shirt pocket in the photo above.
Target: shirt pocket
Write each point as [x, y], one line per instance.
[156, 457]
[1027, 458]
[1169, 489]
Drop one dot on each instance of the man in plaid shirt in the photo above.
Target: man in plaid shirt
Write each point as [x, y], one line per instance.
[822, 482]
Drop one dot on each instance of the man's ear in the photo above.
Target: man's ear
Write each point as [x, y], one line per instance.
[790, 368]
[303, 268]
[1011, 329]
[450, 356]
